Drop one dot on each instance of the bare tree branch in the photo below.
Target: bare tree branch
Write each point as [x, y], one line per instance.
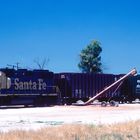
[41, 64]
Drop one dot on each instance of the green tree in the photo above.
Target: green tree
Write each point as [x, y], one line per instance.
[90, 59]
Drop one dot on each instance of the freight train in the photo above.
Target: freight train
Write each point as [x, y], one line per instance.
[43, 87]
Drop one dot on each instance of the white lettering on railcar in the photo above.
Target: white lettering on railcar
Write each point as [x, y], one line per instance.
[30, 85]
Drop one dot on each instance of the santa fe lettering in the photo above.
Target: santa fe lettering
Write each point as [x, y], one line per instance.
[30, 85]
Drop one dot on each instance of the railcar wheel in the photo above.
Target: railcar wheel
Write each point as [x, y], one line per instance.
[112, 103]
[103, 104]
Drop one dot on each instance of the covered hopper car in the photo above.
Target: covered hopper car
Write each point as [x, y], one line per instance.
[82, 86]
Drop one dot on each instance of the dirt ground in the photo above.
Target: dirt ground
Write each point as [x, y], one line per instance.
[35, 118]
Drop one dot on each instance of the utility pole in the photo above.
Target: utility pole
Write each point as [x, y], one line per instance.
[14, 66]
[17, 65]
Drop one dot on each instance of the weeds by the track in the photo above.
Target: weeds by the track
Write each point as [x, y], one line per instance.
[124, 131]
